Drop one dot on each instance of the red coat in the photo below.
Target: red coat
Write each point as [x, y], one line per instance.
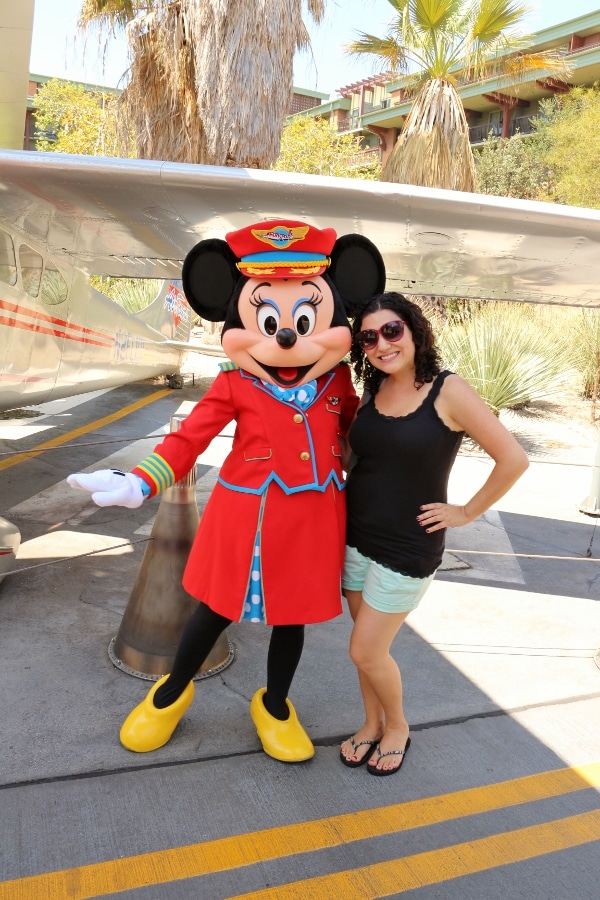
[282, 476]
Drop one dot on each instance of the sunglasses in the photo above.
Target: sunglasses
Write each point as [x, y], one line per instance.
[369, 338]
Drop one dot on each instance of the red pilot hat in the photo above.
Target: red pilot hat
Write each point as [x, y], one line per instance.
[282, 248]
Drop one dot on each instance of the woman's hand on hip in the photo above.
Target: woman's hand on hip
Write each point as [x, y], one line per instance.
[435, 516]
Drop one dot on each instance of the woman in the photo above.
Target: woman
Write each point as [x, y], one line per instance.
[404, 439]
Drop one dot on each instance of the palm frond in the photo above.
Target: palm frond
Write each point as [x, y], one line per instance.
[110, 14]
[434, 15]
[316, 9]
[493, 18]
[388, 50]
[516, 68]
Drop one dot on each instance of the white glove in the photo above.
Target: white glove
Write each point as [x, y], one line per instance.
[111, 487]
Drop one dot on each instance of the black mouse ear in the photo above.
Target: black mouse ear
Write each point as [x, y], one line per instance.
[357, 270]
[209, 276]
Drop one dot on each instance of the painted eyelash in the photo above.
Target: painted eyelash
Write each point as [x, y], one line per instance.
[315, 300]
[256, 301]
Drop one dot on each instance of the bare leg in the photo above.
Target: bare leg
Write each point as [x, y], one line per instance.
[370, 645]
[374, 712]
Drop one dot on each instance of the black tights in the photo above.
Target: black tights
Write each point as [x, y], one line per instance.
[199, 637]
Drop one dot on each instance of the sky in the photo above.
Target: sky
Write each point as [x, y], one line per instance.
[58, 51]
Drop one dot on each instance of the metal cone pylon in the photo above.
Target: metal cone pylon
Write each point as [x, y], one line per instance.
[159, 607]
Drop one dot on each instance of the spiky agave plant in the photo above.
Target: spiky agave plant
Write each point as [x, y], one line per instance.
[508, 355]
[133, 294]
[585, 336]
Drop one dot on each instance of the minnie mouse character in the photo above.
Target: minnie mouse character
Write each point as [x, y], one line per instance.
[270, 544]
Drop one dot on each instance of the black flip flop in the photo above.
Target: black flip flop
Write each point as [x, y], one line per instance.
[354, 763]
[373, 770]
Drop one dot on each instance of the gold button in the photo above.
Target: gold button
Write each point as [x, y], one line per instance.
[304, 455]
[298, 418]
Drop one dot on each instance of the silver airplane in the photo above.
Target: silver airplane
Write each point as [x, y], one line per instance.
[58, 335]
[64, 218]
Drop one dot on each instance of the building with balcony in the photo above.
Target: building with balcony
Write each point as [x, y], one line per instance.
[375, 108]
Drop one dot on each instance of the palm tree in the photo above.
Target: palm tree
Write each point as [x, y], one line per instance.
[209, 82]
[439, 43]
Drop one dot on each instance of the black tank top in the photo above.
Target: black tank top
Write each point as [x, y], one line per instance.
[402, 462]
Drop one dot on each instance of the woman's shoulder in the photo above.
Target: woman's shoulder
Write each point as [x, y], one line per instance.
[454, 383]
[438, 383]
[445, 374]
[458, 398]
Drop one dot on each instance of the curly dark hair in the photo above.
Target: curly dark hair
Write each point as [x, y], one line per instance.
[427, 360]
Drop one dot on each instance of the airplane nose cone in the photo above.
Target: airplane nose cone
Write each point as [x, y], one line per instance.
[286, 338]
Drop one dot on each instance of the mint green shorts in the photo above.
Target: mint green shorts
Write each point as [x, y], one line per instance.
[382, 589]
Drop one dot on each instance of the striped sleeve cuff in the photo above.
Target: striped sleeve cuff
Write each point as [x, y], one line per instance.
[156, 472]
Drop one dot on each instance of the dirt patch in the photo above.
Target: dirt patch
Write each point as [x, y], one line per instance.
[560, 429]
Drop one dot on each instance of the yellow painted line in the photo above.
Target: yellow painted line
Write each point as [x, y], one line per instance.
[85, 429]
[436, 866]
[165, 866]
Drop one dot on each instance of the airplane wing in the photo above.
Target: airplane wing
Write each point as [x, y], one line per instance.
[139, 218]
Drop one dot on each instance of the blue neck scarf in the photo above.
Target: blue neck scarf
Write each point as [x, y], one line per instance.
[302, 395]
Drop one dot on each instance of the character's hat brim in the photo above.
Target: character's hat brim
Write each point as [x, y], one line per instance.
[283, 264]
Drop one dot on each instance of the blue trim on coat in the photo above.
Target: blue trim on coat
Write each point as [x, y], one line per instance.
[273, 478]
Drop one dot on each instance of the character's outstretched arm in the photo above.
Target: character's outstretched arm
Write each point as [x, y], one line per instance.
[111, 487]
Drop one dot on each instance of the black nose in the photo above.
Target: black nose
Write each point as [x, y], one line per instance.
[286, 338]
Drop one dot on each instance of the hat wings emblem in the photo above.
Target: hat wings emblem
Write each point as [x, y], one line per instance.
[281, 237]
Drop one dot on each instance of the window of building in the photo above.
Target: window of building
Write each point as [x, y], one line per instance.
[496, 122]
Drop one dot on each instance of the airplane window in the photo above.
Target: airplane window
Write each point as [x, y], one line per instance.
[8, 268]
[54, 287]
[31, 269]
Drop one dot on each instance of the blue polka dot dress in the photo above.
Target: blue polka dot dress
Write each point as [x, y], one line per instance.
[254, 608]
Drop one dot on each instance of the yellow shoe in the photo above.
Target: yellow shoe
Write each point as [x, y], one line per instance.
[286, 741]
[148, 728]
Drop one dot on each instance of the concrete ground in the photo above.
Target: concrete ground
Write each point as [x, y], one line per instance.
[498, 795]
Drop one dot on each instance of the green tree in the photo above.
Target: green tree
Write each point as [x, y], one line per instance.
[441, 42]
[568, 137]
[512, 168]
[70, 119]
[208, 82]
[312, 146]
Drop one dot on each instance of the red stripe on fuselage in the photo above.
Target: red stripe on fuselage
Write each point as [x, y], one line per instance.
[13, 323]
[37, 317]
